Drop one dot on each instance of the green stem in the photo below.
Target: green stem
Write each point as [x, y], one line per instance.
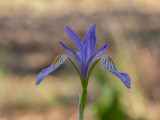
[83, 98]
[82, 103]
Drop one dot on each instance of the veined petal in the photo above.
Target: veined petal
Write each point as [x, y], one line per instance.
[74, 37]
[71, 51]
[101, 49]
[96, 54]
[56, 63]
[92, 39]
[108, 64]
[86, 48]
[86, 37]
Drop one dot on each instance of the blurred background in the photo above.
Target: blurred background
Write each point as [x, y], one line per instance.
[29, 35]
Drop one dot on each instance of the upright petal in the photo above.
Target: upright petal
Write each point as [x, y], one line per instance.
[77, 42]
[92, 39]
[86, 37]
[56, 63]
[96, 54]
[71, 51]
[85, 45]
[101, 49]
[74, 37]
[108, 64]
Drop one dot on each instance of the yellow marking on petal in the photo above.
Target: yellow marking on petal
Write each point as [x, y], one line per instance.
[110, 60]
[55, 60]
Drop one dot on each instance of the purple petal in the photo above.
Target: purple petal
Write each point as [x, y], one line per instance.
[101, 49]
[125, 79]
[97, 53]
[50, 69]
[85, 45]
[86, 37]
[92, 39]
[69, 50]
[41, 76]
[74, 37]
[109, 65]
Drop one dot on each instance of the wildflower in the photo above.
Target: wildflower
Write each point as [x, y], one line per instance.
[85, 60]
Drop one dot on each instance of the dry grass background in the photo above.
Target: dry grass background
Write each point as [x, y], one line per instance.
[29, 35]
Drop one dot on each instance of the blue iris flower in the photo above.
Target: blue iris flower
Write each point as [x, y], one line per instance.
[85, 59]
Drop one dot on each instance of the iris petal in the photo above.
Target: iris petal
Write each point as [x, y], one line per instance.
[86, 37]
[57, 62]
[74, 37]
[101, 49]
[96, 54]
[109, 65]
[69, 50]
[85, 45]
[92, 39]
